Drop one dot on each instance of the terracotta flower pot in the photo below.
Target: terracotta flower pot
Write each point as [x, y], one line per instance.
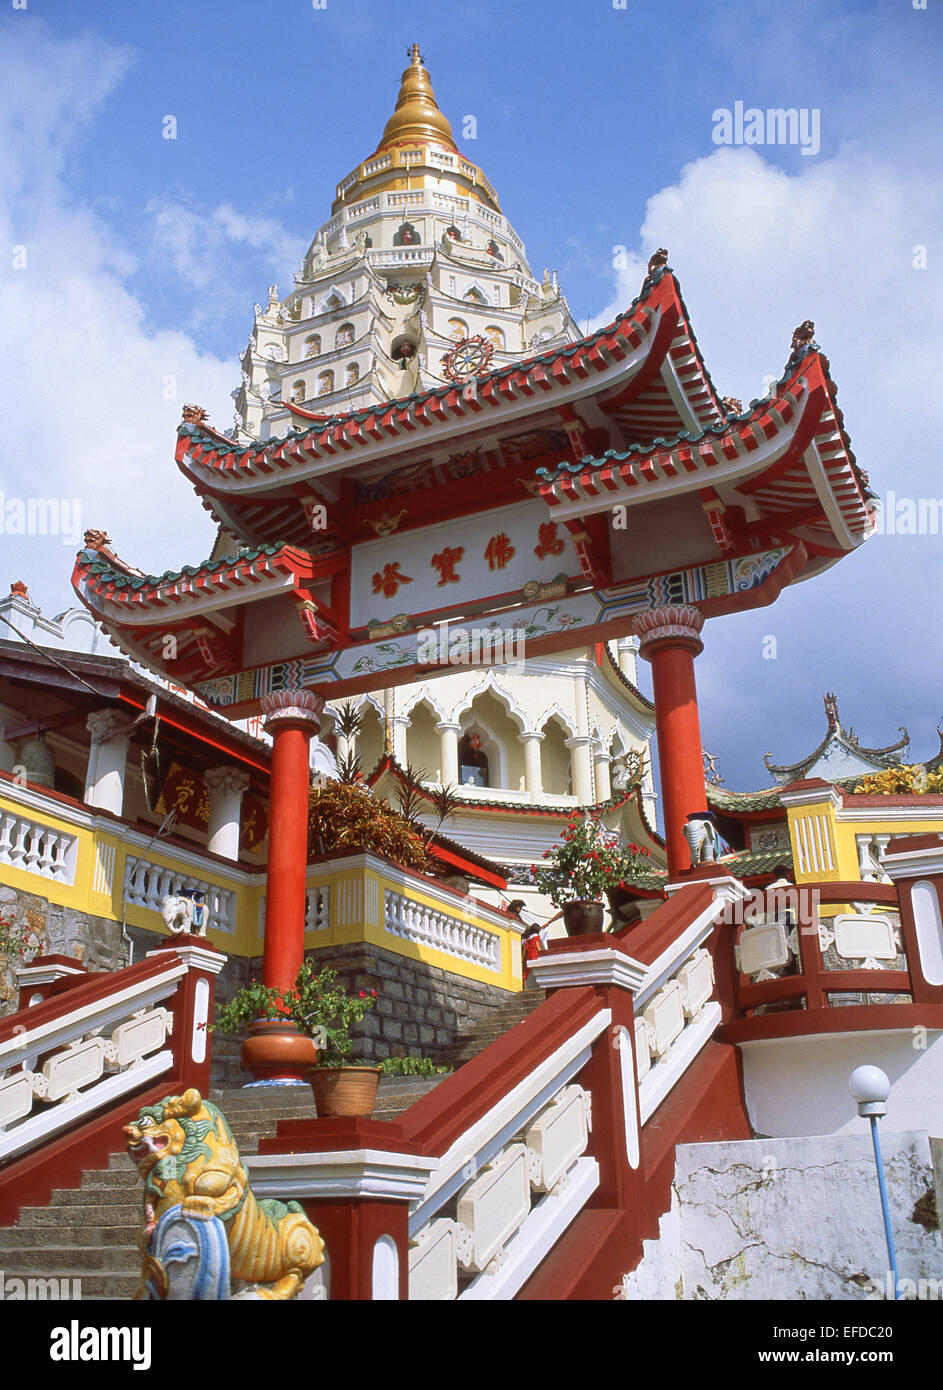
[344, 1090]
[582, 917]
[276, 1052]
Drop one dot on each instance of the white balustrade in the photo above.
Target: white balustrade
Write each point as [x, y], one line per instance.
[426, 926]
[317, 910]
[361, 209]
[35, 848]
[402, 255]
[92, 1056]
[676, 1022]
[147, 884]
[511, 1210]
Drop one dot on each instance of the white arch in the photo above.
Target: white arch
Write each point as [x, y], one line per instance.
[617, 744]
[565, 720]
[326, 307]
[423, 695]
[511, 707]
[484, 302]
[368, 700]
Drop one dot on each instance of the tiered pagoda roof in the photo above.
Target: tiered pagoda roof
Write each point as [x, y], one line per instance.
[730, 486]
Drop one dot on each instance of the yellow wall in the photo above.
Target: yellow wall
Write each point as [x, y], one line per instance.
[356, 892]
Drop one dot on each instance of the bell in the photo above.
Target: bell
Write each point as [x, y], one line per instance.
[37, 758]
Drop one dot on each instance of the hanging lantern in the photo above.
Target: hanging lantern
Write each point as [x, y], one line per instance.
[37, 758]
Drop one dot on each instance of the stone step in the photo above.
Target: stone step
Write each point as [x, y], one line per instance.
[74, 1259]
[79, 1197]
[110, 1214]
[41, 1237]
[101, 1286]
[114, 1178]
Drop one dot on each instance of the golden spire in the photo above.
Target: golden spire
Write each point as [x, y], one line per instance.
[417, 118]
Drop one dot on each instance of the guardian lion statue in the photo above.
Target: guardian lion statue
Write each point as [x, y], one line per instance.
[184, 1150]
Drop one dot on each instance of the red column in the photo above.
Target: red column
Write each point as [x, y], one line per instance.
[670, 639]
[293, 717]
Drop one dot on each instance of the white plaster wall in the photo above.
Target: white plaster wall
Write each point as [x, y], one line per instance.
[799, 1086]
[790, 1219]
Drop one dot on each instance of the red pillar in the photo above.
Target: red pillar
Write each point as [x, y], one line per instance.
[669, 638]
[293, 718]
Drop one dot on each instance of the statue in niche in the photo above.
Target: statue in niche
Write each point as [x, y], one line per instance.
[472, 761]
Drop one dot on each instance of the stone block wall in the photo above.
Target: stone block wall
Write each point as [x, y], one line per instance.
[420, 1007]
[54, 930]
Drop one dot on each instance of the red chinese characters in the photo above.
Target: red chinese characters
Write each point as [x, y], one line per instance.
[445, 563]
[548, 542]
[498, 551]
[389, 581]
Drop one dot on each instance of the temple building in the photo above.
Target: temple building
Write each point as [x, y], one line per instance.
[449, 527]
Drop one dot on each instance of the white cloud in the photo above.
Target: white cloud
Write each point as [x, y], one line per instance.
[93, 394]
[757, 250]
[204, 247]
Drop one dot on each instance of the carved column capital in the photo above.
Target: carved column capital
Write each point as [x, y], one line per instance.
[292, 706]
[233, 781]
[103, 723]
[677, 624]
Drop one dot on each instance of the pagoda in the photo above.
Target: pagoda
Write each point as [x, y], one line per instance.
[432, 475]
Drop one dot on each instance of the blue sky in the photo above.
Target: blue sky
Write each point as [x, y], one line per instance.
[595, 124]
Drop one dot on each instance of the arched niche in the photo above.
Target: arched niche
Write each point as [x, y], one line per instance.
[555, 771]
[422, 741]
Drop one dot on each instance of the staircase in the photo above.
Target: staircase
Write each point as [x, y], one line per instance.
[475, 1037]
[90, 1232]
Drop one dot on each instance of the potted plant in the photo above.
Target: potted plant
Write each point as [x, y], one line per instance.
[341, 1085]
[587, 860]
[291, 1031]
[276, 1051]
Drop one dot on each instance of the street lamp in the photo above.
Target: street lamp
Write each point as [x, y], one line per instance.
[870, 1087]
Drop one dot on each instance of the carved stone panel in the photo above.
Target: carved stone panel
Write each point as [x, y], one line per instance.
[16, 1097]
[665, 1018]
[139, 1036]
[78, 1066]
[763, 948]
[433, 1263]
[557, 1137]
[696, 979]
[493, 1207]
[864, 937]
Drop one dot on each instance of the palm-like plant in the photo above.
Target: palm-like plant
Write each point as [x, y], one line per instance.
[446, 802]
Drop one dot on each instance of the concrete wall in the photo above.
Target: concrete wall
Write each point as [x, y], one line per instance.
[793, 1219]
[800, 1085]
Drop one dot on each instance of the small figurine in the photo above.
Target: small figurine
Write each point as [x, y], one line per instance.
[702, 838]
[186, 913]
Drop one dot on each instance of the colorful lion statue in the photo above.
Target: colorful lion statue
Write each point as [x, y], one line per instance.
[184, 1150]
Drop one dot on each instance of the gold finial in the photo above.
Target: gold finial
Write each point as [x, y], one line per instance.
[417, 118]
